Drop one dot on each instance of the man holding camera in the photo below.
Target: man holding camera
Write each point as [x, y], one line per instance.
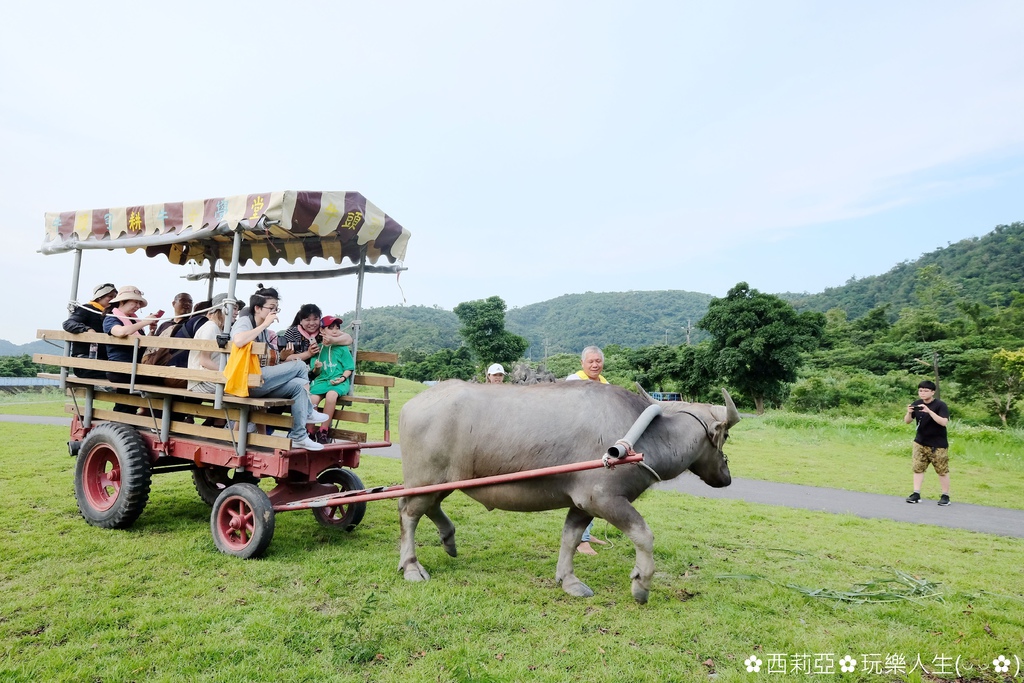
[930, 443]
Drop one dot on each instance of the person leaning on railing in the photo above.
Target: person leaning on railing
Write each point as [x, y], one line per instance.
[88, 317]
[119, 321]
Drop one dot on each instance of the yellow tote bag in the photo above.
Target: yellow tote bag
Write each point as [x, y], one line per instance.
[241, 363]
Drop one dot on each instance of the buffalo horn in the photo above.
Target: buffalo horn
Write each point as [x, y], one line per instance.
[732, 416]
[644, 393]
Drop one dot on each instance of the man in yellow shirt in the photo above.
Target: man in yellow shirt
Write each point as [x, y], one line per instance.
[592, 360]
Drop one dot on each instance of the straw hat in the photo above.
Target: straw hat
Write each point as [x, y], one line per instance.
[129, 293]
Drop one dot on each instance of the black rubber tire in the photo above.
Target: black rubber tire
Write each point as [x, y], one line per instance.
[345, 517]
[113, 473]
[242, 521]
[211, 481]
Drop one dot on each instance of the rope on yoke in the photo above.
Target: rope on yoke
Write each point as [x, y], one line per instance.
[610, 461]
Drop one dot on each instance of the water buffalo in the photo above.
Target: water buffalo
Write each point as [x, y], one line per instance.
[457, 431]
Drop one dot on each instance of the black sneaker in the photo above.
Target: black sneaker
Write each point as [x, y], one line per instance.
[915, 497]
[943, 500]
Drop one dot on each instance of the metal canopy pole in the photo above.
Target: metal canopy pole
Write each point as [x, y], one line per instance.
[359, 312]
[236, 253]
[213, 276]
[75, 275]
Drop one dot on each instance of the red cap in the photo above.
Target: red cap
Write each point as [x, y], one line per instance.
[329, 320]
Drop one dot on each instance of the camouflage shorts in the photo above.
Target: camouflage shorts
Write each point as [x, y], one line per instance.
[938, 457]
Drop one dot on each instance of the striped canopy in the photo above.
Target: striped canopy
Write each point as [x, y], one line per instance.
[289, 226]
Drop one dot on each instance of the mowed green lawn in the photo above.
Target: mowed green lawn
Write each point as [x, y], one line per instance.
[159, 603]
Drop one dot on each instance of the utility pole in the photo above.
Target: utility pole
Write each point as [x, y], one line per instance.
[666, 337]
[688, 328]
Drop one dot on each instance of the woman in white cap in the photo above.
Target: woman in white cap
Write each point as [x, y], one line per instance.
[495, 374]
[119, 321]
[88, 317]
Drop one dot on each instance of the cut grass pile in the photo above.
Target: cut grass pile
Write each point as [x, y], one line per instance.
[159, 603]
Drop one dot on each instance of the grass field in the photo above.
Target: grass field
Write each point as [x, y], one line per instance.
[159, 603]
[734, 579]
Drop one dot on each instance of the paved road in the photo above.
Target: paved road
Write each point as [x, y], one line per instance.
[989, 520]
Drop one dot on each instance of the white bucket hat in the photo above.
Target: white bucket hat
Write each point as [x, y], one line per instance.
[129, 293]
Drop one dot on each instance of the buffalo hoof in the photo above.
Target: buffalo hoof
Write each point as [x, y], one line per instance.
[416, 573]
[577, 588]
[449, 545]
[640, 592]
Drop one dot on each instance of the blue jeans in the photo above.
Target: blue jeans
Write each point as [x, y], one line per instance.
[586, 533]
[288, 380]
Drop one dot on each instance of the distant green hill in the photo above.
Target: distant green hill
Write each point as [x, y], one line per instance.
[400, 328]
[38, 346]
[562, 325]
[569, 323]
[987, 270]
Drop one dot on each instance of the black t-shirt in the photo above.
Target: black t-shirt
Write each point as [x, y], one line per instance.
[929, 432]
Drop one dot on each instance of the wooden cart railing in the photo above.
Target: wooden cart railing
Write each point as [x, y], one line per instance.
[179, 411]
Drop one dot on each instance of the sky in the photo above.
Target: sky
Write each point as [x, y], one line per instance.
[533, 149]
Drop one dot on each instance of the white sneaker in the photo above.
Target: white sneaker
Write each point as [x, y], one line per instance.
[307, 443]
[317, 417]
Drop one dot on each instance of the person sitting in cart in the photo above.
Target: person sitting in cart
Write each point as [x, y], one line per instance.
[119, 321]
[88, 317]
[205, 360]
[285, 380]
[303, 337]
[182, 306]
[333, 367]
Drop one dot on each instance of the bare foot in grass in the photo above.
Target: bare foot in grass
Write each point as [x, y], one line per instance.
[585, 548]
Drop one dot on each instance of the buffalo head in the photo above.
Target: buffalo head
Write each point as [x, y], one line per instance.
[713, 466]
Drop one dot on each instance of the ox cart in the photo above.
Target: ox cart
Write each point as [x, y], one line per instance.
[118, 452]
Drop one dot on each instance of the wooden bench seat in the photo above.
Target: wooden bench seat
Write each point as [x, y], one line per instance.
[161, 389]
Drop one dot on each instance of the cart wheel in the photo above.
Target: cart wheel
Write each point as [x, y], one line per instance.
[242, 521]
[112, 476]
[345, 517]
[210, 481]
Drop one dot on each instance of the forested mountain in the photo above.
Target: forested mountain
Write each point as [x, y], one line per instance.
[569, 323]
[986, 270]
[402, 328]
[562, 325]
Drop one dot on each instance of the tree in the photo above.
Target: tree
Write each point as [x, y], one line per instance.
[758, 340]
[483, 329]
[696, 371]
[442, 365]
[654, 365]
[996, 378]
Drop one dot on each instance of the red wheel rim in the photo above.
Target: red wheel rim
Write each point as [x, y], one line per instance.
[236, 523]
[335, 513]
[101, 478]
